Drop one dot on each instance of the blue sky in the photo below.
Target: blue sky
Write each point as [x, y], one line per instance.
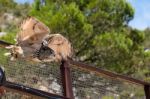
[23, 1]
[142, 13]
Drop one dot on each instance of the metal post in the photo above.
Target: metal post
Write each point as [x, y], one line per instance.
[2, 81]
[147, 91]
[66, 80]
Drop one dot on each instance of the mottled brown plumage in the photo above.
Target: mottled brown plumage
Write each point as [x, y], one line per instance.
[60, 45]
[35, 43]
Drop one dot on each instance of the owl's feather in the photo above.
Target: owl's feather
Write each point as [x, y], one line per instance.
[32, 28]
[34, 37]
[60, 45]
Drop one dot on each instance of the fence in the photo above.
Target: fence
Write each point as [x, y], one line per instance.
[66, 80]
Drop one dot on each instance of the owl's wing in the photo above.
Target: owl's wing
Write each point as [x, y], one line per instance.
[60, 45]
[31, 31]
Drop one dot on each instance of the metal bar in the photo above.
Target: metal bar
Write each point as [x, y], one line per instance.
[147, 91]
[107, 73]
[4, 44]
[66, 80]
[20, 92]
[30, 91]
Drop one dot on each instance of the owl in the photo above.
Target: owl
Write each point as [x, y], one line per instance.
[35, 42]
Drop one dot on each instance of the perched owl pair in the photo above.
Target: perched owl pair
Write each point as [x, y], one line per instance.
[35, 43]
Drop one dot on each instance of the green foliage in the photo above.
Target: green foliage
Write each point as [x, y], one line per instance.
[12, 9]
[146, 40]
[37, 5]
[146, 44]
[9, 37]
[6, 5]
[21, 10]
[98, 31]
[106, 15]
[107, 97]
[113, 50]
[67, 19]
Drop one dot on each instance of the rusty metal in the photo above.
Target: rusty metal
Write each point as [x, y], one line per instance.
[30, 91]
[4, 44]
[108, 73]
[66, 77]
[147, 91]
[66, 80]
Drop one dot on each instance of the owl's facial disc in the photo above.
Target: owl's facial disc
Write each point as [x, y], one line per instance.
[45, 53]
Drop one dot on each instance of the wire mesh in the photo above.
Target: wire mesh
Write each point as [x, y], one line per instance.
[47, 77]
[13, 95]
[89, 85]
[42, 76]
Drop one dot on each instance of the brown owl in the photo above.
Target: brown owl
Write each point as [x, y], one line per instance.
[34, 42]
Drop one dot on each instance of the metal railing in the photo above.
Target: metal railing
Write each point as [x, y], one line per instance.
[109, 74]
[67, 81]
